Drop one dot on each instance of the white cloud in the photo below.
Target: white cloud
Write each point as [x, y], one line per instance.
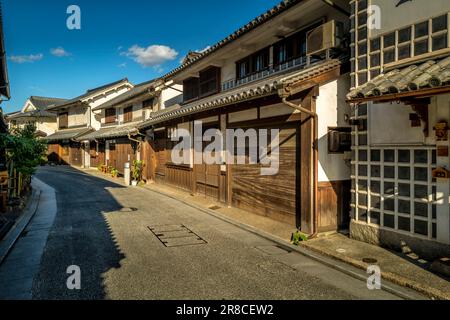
[60, 52]
[122, 65]
[154, 55]
[26, 58]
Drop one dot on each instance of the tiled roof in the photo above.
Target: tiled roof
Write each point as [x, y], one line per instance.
[138, 90]
[42, 103]
[33, 114]
[429, 74]
[89, 93]
[110, 133]
[270, 14]
[68, 134]
[254, 90]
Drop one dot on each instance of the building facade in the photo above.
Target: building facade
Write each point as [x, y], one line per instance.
[76, 118]
[400, 111]
[266, 76]
[36, 111]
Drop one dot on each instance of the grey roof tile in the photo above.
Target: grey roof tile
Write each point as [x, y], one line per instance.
[138, 90]
[42, 103]
[68, 134]
[429, 74]
[110, 132]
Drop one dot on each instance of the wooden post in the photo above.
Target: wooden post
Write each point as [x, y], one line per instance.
[229, 186]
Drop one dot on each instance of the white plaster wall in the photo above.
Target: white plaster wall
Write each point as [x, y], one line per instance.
[96, 118]
[393, 17]
[171, 95]
[137, 112]
[384, 123]
[78, 116]
[48, 127]
[331, 108]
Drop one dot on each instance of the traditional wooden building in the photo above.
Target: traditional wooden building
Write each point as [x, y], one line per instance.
[117, 141]
[35, 111]
[75, 118]
[400, 111]
[285, 70]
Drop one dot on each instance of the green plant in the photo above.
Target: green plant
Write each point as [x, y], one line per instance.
[114, 173]
[100, 167]
[298, 237]
[137, 169]
[24, 152]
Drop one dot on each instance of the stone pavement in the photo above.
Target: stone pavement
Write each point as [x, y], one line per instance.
[134, 243]
[406, 270]
[395, 267]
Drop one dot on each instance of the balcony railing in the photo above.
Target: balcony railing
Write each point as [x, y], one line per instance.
[289, 65]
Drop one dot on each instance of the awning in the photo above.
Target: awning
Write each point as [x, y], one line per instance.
[110, 133]
[415, 81]
[68, 134]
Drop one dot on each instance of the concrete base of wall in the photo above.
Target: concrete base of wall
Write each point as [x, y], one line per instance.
[429, 250]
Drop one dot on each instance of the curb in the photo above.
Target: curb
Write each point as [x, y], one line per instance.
[11, 237]
[392, 277]
[327, 260]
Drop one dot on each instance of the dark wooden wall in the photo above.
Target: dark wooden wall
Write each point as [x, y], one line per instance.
[334, 205]
[76, 154]
[120, 153]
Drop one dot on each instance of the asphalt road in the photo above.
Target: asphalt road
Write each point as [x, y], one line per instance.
[105, 230]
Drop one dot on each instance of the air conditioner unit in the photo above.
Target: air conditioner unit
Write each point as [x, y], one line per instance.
[328, 36]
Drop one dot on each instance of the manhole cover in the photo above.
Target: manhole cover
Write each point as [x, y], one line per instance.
[341, 251]
[176, 236]
[370, 260]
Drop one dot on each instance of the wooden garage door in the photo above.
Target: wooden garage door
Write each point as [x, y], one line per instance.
[207, 177]
[75, 155]
[64, 152]
[53, 153]
[272, 196]
[160, 149]
[112, 162]
[124, 154]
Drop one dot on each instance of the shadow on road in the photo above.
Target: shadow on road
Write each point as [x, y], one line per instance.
[80, 235]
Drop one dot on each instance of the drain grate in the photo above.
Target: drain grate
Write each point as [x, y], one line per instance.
[176, 236]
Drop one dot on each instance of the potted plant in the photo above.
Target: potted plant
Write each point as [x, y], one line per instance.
[136, 172]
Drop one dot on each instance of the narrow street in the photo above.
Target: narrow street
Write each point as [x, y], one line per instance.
[131, 243]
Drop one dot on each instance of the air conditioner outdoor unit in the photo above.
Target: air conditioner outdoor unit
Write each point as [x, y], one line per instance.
[327, 36]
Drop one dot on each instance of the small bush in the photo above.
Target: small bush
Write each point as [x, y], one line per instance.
[298, 237]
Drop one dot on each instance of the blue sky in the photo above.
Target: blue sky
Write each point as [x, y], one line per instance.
[138, 39]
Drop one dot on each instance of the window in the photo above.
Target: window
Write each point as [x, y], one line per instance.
[292, 47]
[110, 115]
[63, 120]
[209, 82]
[404, 35]
[148, 103]
[439, 23]
[128, 114]
[190, 89]
[252, 64]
